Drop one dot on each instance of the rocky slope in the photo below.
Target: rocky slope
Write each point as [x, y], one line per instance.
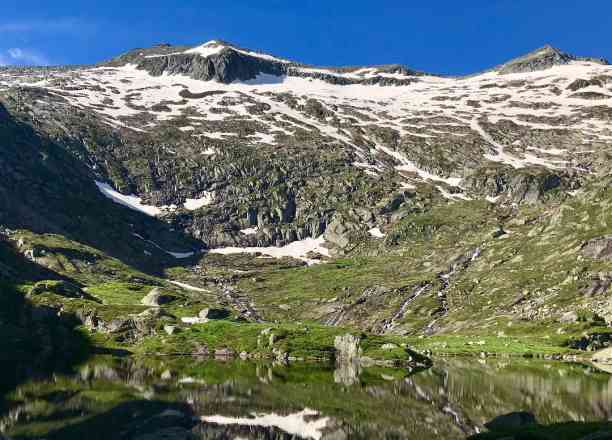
[451, 200]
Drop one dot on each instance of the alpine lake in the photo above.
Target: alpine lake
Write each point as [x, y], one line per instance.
[117, 397]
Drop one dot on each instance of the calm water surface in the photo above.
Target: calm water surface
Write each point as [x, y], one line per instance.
[186, 398]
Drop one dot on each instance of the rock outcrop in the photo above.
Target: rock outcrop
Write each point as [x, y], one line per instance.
[599, 248]
[347, 348]
[226, 66]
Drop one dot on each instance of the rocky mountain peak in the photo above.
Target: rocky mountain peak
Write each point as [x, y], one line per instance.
[214, 60]
[542, 59]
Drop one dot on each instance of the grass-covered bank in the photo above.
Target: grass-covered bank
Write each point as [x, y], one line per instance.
[123, 323]
[298, 342]
[477, 345]
[282, 341]
[569, 341]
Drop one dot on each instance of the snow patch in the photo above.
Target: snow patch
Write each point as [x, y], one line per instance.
[409, 166]
[191, 320]
[302, 424]
[195, 204]
[215, 135]
[188, 287]
[296, 249]
[178, 255]
[376, 233]
[501, 155]
[452, 196]
[130, 201]
[212, 47]
[264, 138]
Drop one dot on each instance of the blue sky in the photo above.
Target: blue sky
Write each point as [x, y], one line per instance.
[445, 36]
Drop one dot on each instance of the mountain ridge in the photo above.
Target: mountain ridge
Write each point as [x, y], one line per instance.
[550, 54]
[543, 57]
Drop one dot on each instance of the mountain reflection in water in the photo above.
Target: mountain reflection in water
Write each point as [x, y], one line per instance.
[183, 398]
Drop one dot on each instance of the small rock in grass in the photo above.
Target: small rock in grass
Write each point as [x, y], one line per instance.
[598, 248]
[200, 350]
[498, 232]
[225, 353]
[170, 329]
[569, 317]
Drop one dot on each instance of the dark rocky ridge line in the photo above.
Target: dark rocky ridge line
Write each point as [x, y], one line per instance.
[230, 64]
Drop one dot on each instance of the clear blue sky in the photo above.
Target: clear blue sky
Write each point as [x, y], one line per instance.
[445, 36]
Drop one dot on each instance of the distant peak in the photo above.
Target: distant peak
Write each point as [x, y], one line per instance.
[541, 59]
[548, 48]
[214, 47]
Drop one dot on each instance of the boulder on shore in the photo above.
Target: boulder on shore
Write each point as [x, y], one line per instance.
[511, 421]
[347, 347]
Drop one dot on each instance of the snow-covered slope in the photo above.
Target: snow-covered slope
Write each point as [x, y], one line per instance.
[431, 108]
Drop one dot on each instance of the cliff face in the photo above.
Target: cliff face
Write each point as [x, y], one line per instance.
[225, 67]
